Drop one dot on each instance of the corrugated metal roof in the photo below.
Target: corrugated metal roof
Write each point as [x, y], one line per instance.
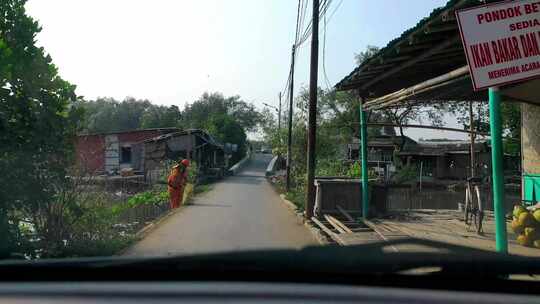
[429, 49]
[199, 132]
[132, 131]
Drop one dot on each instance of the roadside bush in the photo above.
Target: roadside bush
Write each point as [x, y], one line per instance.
[193, 173]
[98, 233]
[405, 174]
[297, 196]
[78, 223]
[155, 196]
[81, 222]
[338, 168]
[330, 167]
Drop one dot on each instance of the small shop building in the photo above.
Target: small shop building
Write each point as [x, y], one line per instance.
[108, 153]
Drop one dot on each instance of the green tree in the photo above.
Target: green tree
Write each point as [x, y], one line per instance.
[38, 120]
[511, 121]
[110, 115]
[161, 117]
[365, 55]
[197, 113]
[226, 118]
[227, 130]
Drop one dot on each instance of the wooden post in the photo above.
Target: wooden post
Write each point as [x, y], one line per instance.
[312, 117]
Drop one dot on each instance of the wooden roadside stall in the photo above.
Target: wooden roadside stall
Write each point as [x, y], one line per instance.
[194, 144]
[427, 64]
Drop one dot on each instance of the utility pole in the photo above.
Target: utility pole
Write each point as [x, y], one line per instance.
[289, 133]
[312, 118]
[279, 115]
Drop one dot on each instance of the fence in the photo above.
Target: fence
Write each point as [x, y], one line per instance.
[118, 190]
[137, 217]
[441, 198]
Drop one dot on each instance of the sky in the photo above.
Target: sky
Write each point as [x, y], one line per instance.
[171, 52]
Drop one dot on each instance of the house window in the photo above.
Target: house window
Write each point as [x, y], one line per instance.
[125, 155]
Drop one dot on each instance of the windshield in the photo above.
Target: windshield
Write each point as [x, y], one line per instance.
[163, 128]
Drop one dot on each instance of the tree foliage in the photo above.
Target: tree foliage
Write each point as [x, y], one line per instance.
[37, 123]
[196, 114]
[226, 118]
[365, 55]
[511, 121]
[401, 116]
[337, 113]
[106, 114]
[161, 117]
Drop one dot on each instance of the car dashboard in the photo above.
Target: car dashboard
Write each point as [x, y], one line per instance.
[237, 292]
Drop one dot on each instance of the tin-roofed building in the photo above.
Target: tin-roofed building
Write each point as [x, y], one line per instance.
[101, 153]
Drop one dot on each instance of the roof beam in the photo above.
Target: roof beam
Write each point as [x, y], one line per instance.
[440, 28]
[394, 59]
[379, 67]
[410, 48]
[414, 126]
[377, 124]
[444, 58]
[412, 61]
[394, 97]
[448, 15]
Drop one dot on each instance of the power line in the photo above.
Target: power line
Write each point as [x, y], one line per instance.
[299, 16]
[287, 84]
[299, 40]
[335, 9]
[299, 19]
[307, 32]
[324, 56]
[302, 19]
[290, 96]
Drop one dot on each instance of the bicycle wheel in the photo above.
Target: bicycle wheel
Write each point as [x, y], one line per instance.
[479, 212]
[467, 208]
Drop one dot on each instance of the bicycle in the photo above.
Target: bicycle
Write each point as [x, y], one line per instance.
[474, 213]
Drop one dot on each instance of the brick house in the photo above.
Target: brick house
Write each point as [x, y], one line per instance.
[109, 152]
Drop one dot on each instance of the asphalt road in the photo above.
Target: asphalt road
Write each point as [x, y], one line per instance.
[241, 212]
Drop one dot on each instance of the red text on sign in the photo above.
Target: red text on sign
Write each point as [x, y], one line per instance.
[505, 50]
[500, 14]
[524, 24]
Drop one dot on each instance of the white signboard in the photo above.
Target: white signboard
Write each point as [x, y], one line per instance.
[501, 41]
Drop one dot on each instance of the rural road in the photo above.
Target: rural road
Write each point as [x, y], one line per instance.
[241, 212]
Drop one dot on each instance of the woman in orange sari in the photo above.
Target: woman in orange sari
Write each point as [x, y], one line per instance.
[177, 181]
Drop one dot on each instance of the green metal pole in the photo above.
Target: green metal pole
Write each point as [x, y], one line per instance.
[363, 149]
[497, 167]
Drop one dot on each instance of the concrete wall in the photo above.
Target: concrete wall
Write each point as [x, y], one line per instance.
[530, 138]
[530, 151]
[441, 198]
[90, 153]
